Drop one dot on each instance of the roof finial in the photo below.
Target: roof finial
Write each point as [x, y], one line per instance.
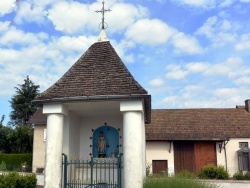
[103, 12]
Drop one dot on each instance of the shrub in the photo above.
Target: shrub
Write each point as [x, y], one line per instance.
[148, 166]
[222, 173]
[14, 161]
[213, 172]
[247, 175]
[239, 176]
[14, 180]
[3, 166]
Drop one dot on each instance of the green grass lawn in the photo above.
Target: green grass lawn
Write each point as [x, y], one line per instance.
[176, 182]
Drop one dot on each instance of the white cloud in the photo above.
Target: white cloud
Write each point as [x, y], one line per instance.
[18, 37]
[87, 19]
[156, 82]
[45, 61]
[207, 4]
[6, 6]
[27, 12]
[122, 47]
[232, 94]
[219, 31]
[128, 13]
[244, 43]
[150, 32]
[196, 67]
[226, 3]
[170, 99]
[4, 26]
[245, 80]
[183, 70]
[74, 18]
[231, 68]
[175, 72]
[199, 96]
[185, 44]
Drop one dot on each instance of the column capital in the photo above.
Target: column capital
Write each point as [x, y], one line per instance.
[55, 109]
[130, 106]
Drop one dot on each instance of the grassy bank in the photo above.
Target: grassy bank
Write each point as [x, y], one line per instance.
[176, 182]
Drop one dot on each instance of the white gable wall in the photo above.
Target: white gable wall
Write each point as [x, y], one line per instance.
[231, 153]
[159, 150]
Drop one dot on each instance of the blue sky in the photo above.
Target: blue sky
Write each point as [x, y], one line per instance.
[185, 53]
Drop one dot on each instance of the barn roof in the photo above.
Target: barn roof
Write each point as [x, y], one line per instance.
[198, 124]
[98, 72]
[38, 117]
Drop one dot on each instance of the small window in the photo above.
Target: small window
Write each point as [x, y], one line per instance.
[243, 144]
[44, 135]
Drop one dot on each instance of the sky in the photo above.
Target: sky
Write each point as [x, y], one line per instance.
[185, 53]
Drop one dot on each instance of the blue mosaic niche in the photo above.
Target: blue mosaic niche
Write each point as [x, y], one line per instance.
[112, 141]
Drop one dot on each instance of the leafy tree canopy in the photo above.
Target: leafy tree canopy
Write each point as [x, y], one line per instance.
[2, 119]
[22, 108]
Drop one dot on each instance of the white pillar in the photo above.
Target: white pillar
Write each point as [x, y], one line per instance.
[132, 144]
[54, 143]
[53, 166]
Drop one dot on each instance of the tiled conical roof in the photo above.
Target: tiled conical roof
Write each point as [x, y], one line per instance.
[100, 71]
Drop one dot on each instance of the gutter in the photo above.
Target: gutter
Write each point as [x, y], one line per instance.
[225, 153]
[147, 101]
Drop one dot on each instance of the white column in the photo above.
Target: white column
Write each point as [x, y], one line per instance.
[53, 166]
[54, 143]
[132, 144]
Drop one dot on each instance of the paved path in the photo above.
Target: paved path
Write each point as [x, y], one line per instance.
[231, 183]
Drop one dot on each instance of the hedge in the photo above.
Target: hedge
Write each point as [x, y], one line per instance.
[14, 161]
[15, 180]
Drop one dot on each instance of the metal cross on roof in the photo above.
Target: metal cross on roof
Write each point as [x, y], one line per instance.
[103, 12]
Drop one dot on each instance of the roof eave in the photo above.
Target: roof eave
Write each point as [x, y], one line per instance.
[145, 97]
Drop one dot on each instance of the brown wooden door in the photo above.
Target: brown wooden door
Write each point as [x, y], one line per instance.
[184, 156]
[160, 166]
[205, 153]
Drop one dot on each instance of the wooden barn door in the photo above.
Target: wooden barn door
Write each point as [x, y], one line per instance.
[184, 156]
[160, 166]
[205, 153]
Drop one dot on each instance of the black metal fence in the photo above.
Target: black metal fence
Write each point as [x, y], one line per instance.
[92, 173]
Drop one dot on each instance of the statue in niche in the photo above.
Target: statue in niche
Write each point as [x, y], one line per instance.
[101, 144]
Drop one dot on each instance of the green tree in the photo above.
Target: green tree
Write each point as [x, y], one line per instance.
[22, 108]
[21, 139]
[4, 137]
[2, 119]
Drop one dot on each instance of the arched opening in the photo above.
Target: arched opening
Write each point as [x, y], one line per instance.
[105, 142]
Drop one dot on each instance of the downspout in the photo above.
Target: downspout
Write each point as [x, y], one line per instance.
[225, 152]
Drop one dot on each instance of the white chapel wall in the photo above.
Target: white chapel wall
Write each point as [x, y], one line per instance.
[74, 135]
[89, 123]
[159, 150]
[71, 135]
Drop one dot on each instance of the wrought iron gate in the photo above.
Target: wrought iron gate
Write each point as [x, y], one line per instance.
[92, 173]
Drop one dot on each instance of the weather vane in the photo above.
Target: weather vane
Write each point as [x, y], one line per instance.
[103, 12]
